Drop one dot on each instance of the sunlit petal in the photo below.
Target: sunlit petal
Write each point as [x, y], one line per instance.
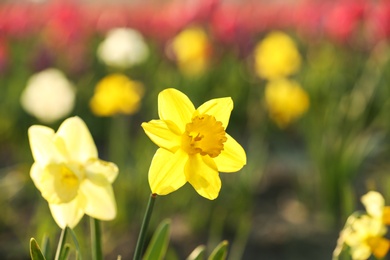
[374, 203]
[78, 139]
[165, 134]
[202, 174]
[101, 168]
[43, 147]
[176, 107]
[166, 173]
[220, 108]
[232, 157]
[100, 201]
[68, 214]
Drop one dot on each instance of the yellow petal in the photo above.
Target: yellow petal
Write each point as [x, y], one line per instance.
[96, 167]
[43, 146]
[176, 107]
[68, 214]
[77, 139]
[220, 108]
[165, 134]
[374, 203]
[100, 200]
[166, 173]
[232, 157]
[202, 174]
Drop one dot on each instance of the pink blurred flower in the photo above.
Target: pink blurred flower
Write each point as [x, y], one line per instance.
[343, 19]
[18, 20]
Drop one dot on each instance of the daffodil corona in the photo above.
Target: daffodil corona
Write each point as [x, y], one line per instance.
[69, 174]
[194, 146]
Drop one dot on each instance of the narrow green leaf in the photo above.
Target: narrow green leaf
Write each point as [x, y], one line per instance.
[220, 252]
[45, 246]
[65, 252]
[35, 251]
[159, 243]
[76, 243]
[199, 253]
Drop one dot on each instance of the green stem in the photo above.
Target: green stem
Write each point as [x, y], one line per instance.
[96, 239]
[61, 243]
[144, 227]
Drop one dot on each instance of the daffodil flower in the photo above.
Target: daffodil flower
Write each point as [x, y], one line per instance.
[69, 174]
[364, 233]
[194, 146]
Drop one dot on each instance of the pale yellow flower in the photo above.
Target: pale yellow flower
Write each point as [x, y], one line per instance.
[364, 233]
[286, 101]
[69, 174]
[192, 51]
[194, 146]
[276, 56]
[49, 95]
[123, 48]
[116, 94]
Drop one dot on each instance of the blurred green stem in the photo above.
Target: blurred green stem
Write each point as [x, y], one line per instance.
[96, 241]
[61, 244]
[144, 227]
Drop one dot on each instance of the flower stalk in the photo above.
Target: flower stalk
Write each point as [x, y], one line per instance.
[96, 240]
[145, 223]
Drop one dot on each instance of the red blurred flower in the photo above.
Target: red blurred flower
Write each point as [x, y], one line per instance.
[343, 19]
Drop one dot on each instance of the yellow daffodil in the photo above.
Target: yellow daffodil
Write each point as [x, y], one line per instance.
[276, 56]
[286, 101]
[194, 146]
[69, 174]
[116, 94]
[192, 50]
[364, 233]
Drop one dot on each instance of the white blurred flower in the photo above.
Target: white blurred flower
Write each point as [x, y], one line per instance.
[48, 96]
[123, 48]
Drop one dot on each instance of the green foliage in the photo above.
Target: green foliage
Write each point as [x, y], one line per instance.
[159, 243]
[35, 251]
[220, 251]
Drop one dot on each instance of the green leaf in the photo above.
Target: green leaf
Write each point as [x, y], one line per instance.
[35, 251]
[76, 243]
[65, 252]
[198, 253]
[45, 246]
[220, 252]
[159, 243]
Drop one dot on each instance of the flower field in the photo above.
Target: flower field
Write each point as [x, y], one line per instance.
[194, 129]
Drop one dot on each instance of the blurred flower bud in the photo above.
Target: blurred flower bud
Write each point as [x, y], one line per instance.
[286, 101]
[276, 56]
[191, 48]
[116, 94]
[49, 96]
[123, 48]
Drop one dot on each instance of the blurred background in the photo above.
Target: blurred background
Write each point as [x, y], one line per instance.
[309, 81]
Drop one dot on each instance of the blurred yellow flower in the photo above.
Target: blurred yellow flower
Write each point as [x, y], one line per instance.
[49, 95]
[192, 50]
[193, 143]
[69, 174]
[276, 56]
[116, 94]
[286, 101]
[364, 233]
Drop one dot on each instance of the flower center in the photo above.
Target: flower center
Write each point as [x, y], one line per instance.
[204, 135]
[61, 182]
